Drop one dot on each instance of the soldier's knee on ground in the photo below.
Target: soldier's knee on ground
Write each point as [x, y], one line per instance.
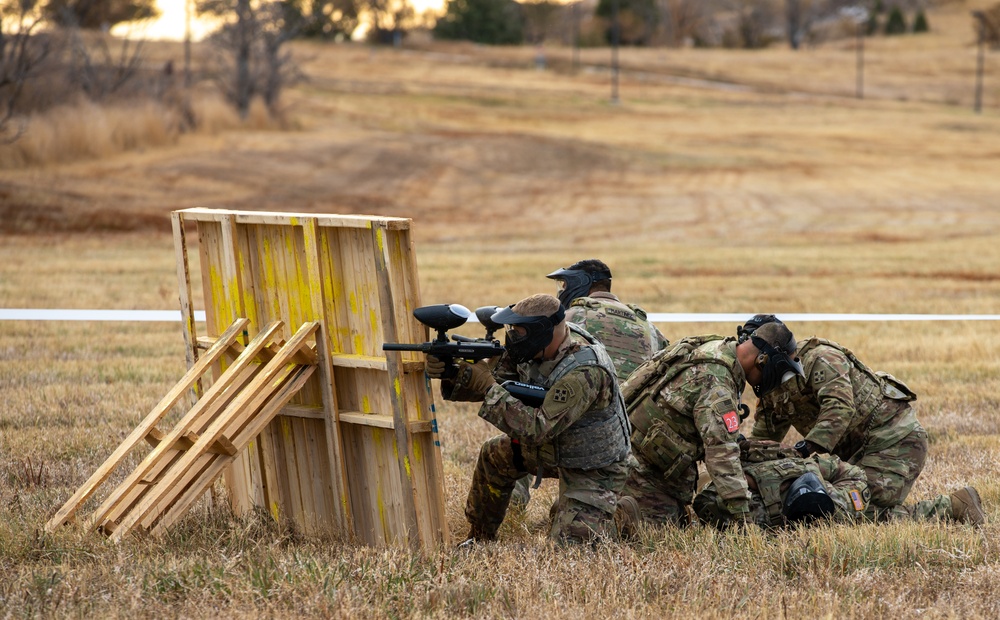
[576, 524]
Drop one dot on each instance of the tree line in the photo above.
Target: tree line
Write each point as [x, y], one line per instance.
[52, 51]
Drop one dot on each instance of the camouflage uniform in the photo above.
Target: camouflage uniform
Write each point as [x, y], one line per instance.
[774, 468]
[623, 329]
[629, 338]
[684, 407]
[582, 416]
[846, 409]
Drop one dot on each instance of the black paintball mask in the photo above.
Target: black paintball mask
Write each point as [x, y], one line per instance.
[538, 332]
[575, 283]
[807, 500]
[776, 362]
[743, 332]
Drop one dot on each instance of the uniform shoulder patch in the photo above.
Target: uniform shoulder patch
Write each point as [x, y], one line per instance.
[560, 395]
[857, 499]
[819, 376]
[732, 420]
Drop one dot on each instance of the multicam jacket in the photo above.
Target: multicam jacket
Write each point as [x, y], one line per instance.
[624, 330]
[581, 424]
[773, 469]
[684, 408]
[840, 404]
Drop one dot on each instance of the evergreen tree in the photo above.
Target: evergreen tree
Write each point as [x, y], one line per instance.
[920, 22]
[496, 22]
[896, 24]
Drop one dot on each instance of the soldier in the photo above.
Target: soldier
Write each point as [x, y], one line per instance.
[627, 335]
[842, 407]
[623, 329]
[684, 405]
[579, 434]
[785, 488]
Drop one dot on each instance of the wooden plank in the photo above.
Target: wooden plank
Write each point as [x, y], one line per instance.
[222, 446]
[136, 436]
[213, 398]
[403, 257]
[291, 219]
[310, 412]
[184, 286]
[333, 444]
[382, 421]
[403, 447]
[236, 414]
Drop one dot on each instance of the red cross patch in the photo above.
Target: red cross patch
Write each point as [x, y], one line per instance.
[732, 420]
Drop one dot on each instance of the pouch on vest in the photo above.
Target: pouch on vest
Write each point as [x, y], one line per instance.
[665, 450]
[894, 388]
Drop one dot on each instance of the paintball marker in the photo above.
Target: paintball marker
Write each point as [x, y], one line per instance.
[441, 318]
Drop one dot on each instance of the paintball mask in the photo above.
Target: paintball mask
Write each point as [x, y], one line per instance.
[743, 332]
[575, 283]
[807, 499]
[538, 332]
[776, 362]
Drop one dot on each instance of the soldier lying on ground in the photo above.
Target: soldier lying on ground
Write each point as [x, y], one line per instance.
[579, 434]
[787, 488]
[684, 405]
[842, 407]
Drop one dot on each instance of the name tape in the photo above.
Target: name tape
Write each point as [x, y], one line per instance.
[24, 314]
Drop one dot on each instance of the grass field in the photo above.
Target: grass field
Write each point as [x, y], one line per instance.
[724, 181]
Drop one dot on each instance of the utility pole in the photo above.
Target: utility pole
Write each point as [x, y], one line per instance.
[576, 37]
[187, 43]
[860, 88]
[977, 105]
[614, 51]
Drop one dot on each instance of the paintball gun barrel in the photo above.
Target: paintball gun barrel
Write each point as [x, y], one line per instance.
[441, 318]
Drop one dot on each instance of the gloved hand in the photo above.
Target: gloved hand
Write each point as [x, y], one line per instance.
[436, 367]
[475, 378]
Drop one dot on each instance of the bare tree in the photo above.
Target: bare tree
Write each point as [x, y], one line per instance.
[681, 20]
[97, 69]
[251, 46]
[22, 55]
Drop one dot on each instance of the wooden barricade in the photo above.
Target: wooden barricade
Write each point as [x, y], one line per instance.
[185, 461]
[356, 449]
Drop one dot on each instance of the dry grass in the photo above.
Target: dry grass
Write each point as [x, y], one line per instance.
[702, 198]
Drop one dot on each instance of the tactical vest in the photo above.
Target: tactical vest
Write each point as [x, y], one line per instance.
[601, 436]
[669, 443]
[868, 396]
[771, 476]
[626, 333]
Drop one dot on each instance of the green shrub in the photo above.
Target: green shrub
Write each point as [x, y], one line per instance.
[920, 22]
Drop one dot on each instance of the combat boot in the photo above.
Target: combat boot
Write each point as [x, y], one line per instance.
[966, 507]
[627, 517]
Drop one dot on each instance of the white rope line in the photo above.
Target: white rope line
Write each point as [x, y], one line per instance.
[24, 314]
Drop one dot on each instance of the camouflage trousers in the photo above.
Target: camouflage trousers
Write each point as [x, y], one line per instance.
[658, 503]
[892, 471]
[938, 508]
[585, 508]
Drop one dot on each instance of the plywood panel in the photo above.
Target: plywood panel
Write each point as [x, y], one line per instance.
[356, 276]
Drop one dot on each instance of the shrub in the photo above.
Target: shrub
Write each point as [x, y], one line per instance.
[920, 22]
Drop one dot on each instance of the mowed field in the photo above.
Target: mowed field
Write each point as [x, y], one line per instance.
[724, 181]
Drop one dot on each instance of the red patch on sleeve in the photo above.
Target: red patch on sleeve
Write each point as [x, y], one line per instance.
[732, 420]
